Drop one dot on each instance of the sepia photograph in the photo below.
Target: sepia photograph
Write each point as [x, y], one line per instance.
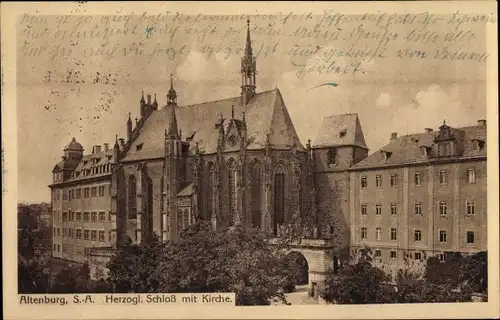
[256, 155]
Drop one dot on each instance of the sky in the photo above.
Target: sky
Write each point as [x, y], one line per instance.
[88, 95]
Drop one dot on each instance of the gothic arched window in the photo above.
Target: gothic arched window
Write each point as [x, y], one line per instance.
[210, 190]
[279, 198]
[132, 198]
[231, 190]
[256, 194]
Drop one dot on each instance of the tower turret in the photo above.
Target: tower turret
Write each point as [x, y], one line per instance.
[172, 94]
[248, 71]
[129, 127]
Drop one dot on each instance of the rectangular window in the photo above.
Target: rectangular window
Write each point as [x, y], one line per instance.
[442, 257]
[394, 180]
[65, 216]
[78, 216]
[86, 217]
[58, 248]
[94, 217]
[393, 254]
[418, 256]
[443, 209]
[364, 210]
[65, 195]
[394, 210]
[101, 236]
[443, 177]
[442, 236]
[86, 193]
[363, 233]
[393, 234]
[58, 231]
[65, 248]
[101, 191]
[86, 234]
[71, 216]
[378, 181]
[470, 207]
[70, 233]
[378, 232]
[418, 209]
[471, 175]
[364, 182]
[418, 235]
[93, 192]
[378, 209]
[78, 233]
[102, 216]
[418, 178]
[378, 253]
[78, 193]
[470, 237]
[65, 232]
[93, 235]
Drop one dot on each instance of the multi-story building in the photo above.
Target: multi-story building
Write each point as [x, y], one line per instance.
[421, 195]
[81, 202]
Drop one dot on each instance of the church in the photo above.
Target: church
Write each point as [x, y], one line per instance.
[236, 160]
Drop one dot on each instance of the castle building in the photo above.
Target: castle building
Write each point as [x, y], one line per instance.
[421, 195]
[81, 202]
[239, 160]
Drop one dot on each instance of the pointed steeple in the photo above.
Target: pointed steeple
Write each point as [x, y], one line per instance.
[172, 94]
[248, 47]
[129, 126]
[248, 71]
[172, 131]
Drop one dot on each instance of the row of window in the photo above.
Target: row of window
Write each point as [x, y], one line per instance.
[88, 192]
[443, 237]
[94, 235]
[417, 179]
[416, 255]
[87, 216]
[470, 207]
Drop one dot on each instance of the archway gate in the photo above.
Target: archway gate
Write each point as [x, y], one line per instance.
[320, 255]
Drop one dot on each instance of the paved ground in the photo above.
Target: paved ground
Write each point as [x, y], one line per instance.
[299, 296]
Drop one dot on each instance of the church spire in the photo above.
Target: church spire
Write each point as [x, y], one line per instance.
[248, 71]
[172, 131]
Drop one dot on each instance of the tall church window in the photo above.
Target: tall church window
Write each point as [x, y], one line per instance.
[256, 192]
[279, 198]
[149, 211]
[132, 198]
[231, 188]
[210, 190]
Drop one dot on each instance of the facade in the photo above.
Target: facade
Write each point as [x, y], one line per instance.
[422, 195]
[81, 202]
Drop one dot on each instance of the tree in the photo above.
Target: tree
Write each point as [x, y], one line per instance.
[237, 259]
[474, 272]
[133, 266]
[359, 283]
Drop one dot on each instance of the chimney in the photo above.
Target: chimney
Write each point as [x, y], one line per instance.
[428, 130]
[481, 123]
[149, 99]
[394, 136]
[106, 147]
[122, 142]
[96, 149]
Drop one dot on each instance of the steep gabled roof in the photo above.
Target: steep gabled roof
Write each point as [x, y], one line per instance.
[407, 149]
[340, 130]
[265, 113]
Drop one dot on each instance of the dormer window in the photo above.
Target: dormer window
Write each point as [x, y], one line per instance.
[425, 150]
[444, 149]
[385, 154]
[343, 133]
[139, 146]
[332, 157]
[477, 144]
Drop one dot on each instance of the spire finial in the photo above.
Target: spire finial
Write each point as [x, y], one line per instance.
[444, 121]
[142, 97]
[232, 111]
[155, 96]
[171, 82]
